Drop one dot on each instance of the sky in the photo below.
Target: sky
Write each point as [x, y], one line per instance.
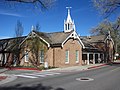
[83, 13]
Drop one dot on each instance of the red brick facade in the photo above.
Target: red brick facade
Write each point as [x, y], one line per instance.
[56, 55]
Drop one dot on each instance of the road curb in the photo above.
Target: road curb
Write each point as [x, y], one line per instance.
[14, 68]
[92, 67]
[116, 62]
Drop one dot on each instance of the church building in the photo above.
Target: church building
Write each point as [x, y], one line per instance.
[57, 49]
[63, 48]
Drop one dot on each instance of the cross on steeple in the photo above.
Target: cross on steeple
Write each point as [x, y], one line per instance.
[68, 9]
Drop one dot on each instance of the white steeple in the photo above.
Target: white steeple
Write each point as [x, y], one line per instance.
[69, 24]
[69, 17]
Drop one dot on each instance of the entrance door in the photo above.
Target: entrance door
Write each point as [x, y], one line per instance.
[96, 58]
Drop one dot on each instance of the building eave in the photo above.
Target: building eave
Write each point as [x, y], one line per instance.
[32, 34]
[73, 35]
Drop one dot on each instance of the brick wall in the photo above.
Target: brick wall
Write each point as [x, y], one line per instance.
[56, 56]
[72, 46]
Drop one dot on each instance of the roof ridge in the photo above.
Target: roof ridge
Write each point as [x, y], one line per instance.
[93, 35]
[55, 32]
[49, 32]
[12, 38]
[38, 31]
[52, 32]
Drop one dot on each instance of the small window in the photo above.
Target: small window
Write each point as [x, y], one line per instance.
[77, 56]
[26, 56]
[41, 56]
[66, 26]
[67, 56]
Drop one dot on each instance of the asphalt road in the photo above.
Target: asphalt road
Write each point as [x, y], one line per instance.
[106, 78]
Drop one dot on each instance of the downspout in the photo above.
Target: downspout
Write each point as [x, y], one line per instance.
[53, 57]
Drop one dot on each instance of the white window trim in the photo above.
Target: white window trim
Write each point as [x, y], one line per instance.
[67, 57]
[77, 58]
[40, 57]
[26, 56]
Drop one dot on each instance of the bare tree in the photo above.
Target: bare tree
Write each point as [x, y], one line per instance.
[3, 46]
[37, 27]
[36, 4]
[102, 28]
[114, 28]
[34, 46]
[19, 29]
[107, 7]
[8, 49]
[18, 33]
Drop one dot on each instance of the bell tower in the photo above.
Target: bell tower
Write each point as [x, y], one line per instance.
[69, 23]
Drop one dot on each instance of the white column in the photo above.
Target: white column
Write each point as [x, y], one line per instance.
[93, 58]
[99, 59]
[5, 58]
[88, 59]
[98, 55]
[103, 58]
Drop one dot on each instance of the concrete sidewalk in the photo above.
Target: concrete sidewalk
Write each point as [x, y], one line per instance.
[65, 69]
[78, 68]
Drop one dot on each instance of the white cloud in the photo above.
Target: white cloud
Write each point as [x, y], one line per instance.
[11, 14]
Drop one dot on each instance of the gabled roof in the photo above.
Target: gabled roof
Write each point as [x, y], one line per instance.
[58, 37]
[54, 38]
[43, 35]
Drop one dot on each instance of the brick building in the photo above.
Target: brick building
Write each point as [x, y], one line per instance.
[63, 48]
[58, 49]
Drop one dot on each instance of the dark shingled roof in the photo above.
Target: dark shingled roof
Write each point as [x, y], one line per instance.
[58, 37]
[43, 35]
[54, 38]
[93, 39]
[89, 41]
[10, 44]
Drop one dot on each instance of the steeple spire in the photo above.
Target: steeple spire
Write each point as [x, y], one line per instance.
[69, 24]
[69, 17]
